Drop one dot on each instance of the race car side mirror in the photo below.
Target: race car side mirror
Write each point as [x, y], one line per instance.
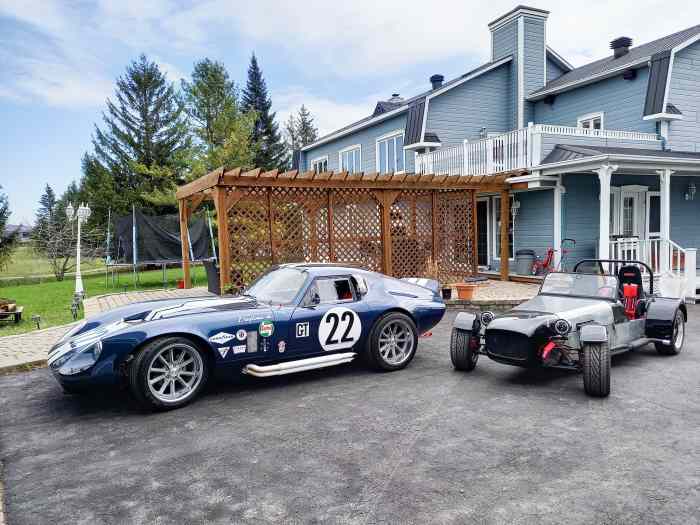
[313, 300]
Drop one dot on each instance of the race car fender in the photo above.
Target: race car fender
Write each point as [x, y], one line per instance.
[661, 312]
[467, 321]
[593, 333]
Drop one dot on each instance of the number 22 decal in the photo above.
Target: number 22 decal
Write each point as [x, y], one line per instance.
[340, 328]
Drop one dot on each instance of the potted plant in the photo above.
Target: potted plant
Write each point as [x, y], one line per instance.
[465, 291]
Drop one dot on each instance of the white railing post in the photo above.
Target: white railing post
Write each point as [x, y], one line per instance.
[535, 141]
[690, 272]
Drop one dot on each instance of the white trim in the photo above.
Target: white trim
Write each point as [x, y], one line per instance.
[679, 47]
[467, 78]
[316, 160]
[346, 150]
[386, 136]
[647, 221]
[521, 72]
[508, 17]
[356, 127]
[496, 229]
[663, 116]
[533, 177]
[591, 116]
[559, 58]
[558, 191]
[544, 29]
[420, 145]
[575, 165]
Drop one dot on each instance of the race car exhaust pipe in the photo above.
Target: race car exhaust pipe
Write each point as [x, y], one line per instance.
[300, 365]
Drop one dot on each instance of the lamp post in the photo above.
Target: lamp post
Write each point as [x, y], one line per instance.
[80, 215]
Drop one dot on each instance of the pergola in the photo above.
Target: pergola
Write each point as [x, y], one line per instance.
[402, 224]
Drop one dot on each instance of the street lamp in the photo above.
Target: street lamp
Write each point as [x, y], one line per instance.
[80, 215]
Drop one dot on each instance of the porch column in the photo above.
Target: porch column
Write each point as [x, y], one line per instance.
[665, 205]
[604, 175]
[559, 190]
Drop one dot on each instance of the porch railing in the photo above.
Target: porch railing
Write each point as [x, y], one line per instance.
[519, 149]
[666, 258]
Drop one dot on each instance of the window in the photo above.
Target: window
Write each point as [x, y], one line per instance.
[278, 286]
[591, 121]
[330, 291]
[351, 159]
[319, 165]
[497, 229]
[390, 154]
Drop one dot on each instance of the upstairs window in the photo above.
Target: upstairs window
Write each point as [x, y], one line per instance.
[351, 159]
[591, 121]
[319, 165]
[390, 154]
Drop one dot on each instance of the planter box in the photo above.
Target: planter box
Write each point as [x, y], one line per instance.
[465, 291]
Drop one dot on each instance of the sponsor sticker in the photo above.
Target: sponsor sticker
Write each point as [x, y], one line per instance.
[266, 328]
[302, 329]
[239, 349]
[252, 342]
[281, 346]
[221, 338]
[340, 328]
[241, 334]
[223, 351]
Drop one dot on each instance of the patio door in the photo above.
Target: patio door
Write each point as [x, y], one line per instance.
[628, 206]
[482, 225]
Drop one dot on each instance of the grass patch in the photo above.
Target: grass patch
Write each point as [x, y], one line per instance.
[52, 299]
[26, 263]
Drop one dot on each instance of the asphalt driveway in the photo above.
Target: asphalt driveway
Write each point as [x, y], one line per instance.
[424, 445]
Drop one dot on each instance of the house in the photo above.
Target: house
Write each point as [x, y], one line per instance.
[23, 232]
[607, 154]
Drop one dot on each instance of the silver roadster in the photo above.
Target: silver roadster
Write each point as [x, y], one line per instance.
[576, 321]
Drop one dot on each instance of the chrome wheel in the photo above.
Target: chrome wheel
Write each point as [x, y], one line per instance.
[175, 373]
[678, 332]
[396, 342]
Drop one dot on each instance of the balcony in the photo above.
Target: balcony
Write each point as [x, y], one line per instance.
[522, 149]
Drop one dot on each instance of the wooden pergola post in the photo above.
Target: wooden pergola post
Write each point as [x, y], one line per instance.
[505, 220]
[183, 206]
[223, 236]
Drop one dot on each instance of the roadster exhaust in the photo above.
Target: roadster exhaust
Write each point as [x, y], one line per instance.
[300, 365]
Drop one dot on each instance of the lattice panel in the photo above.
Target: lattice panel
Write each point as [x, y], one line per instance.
[411, 234]
[455, 238]
[249, 232]
[357, 237]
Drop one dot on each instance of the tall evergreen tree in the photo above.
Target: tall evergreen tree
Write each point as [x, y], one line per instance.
[144, 130]
[271, 151]
[47, 205]
[7, 239]
[291, 135]
[306, 129]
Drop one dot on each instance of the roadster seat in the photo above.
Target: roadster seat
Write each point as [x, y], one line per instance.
[631, 291]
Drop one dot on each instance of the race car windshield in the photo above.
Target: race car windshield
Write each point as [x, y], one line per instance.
[580, 285]
[279, 286]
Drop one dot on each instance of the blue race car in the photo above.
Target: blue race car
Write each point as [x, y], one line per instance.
[295, 317]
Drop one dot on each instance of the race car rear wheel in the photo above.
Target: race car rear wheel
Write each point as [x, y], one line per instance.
[464, 350]
[167, 373]
[596, 369]
[392, 342]
[678, 337]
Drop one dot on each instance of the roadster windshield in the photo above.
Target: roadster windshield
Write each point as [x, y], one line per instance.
[580, 285]
[278, 286]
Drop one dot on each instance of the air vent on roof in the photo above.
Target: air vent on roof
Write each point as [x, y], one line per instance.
[436, 81]
[395, 99]
[621, 46]
[629, 74]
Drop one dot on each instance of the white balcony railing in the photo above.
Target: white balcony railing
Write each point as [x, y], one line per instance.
[519, 149]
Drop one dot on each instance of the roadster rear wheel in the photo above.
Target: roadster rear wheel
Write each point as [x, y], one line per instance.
[463, 350]
[168, 373]
[677, 339]
[596, 369]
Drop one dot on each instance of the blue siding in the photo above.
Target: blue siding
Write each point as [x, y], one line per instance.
[534, 62]
[685, 95]
[505, 43]
[685, 215]
[580, 209]
[553, 70]
[367, 139]
[460, 113]
[621, 100]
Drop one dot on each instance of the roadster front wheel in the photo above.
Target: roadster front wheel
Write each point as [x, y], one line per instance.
[677, 339]
[464, 350]
[168, 373]
[596, 369]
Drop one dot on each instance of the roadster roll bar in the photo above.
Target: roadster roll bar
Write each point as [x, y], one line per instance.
[620, 261]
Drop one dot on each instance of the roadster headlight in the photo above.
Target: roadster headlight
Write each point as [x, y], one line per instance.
[562, 326]
[487, 317]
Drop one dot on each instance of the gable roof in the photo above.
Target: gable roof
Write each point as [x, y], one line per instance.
[406, 104]
[609, 66]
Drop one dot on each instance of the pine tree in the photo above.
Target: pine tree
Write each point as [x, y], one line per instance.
[291, 135]
[306, 130]
[144, 128]
[47, 205]
[271, 151]
[7, 239]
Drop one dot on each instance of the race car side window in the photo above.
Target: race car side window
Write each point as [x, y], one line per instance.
[330, 290]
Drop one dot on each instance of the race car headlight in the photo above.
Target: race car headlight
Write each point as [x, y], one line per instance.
[81, 352]
[562, 326]
[81, 360]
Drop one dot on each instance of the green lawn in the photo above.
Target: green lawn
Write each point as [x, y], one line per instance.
[52, 299]
[26, 263]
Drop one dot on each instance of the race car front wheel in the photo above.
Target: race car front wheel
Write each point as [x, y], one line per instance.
[678, 337]
[168, 373]
[464, 348]
[596, 369]
[392, 342]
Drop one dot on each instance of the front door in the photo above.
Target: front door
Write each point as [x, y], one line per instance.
[482, 224]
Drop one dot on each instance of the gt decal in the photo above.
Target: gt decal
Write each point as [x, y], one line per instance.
[302, 329]
[221, 338]
[241, 334]
[340, 328]
[223, 351]
[266, 328]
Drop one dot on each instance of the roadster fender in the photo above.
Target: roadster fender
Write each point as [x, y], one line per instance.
[661, 313]
[467, 321]
[593, 333]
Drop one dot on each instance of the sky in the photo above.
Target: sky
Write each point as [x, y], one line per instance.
[59, 59]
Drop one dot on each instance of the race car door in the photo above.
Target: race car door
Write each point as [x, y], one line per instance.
[328, 318]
